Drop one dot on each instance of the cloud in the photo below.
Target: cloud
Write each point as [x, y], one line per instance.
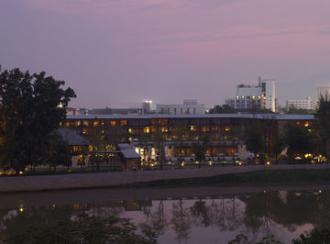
[236, 33]
[103, 6]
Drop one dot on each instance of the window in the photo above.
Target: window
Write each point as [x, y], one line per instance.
[85, 131]
[146, 130]
[113, 123]
[96, 123]
[123, 123]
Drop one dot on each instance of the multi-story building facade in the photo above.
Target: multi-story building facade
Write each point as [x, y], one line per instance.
[147, 107]
[189, 106]
[249, 98]
[305, 104]
[268, 90]
[175, 136]
[255, 97]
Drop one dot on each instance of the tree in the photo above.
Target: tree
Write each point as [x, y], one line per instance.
[31, 108]
[323, 117]
[278, 146]
[294, 110]
[254, 140]
[158, 138]
[200, 149]
[222, 109]
[300, 141]
[61, 225]
[58, 151]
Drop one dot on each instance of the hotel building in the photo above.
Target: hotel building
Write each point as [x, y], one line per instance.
[174, 136]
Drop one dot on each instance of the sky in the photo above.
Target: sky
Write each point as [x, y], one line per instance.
[117, 53]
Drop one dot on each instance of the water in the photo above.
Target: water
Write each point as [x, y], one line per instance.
[183, 215]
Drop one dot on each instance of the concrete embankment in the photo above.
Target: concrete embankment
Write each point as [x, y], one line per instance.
[118, 179]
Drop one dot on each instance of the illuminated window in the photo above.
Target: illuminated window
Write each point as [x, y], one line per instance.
[85, 123]
[76, 148]
[85, 131]
[146, 130]
[123, 123]
[78, 123]
[130, 130]
[306, 124]
[153, 153]
[164, 129]
[193, 128]
[113, 123]
[96, 123]
[227, 129]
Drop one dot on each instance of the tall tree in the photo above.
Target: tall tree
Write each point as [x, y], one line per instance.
[254, 140]
[31, 108]
[58, 151]
[323, 117]
[300, 141]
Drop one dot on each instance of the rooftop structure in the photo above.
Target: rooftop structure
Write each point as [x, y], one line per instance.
[147, 107]
[196, 116]
[115, 111]
[189, 106]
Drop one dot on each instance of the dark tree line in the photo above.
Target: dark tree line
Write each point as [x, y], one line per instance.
[31, 108]
[298, 139]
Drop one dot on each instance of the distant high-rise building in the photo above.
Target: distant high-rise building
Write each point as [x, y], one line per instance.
[189, 106]
[254, 97]
[306, 104]
[268, 91]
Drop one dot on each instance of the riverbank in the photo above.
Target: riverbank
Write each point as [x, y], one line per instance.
[230, 175]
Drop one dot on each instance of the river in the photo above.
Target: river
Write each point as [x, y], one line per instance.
[205, 214]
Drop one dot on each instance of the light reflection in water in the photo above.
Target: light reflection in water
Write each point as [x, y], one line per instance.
[283, 214]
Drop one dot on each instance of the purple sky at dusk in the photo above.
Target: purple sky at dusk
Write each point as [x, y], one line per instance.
[120, 52]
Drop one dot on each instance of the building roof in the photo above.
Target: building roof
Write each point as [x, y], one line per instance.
[196, 116]
[73, 137]
[128, 151]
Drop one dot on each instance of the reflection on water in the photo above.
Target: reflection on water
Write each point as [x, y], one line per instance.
[282, 214]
